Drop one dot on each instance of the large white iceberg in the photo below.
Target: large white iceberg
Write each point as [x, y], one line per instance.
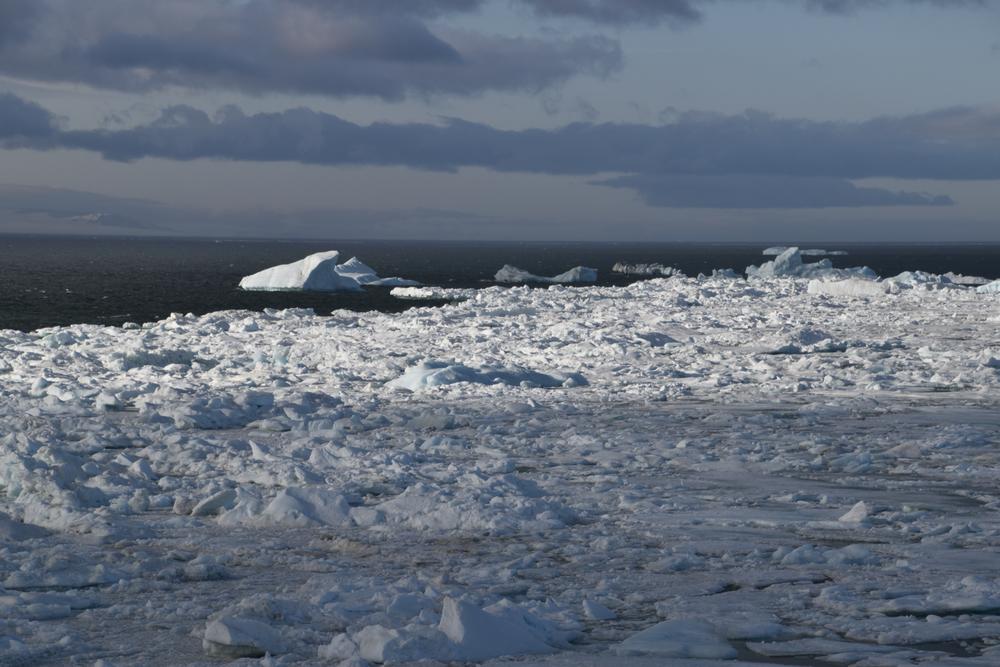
[789, 264]
[578, 274]
[320, 272]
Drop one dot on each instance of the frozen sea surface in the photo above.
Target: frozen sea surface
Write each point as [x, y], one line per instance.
[674, 472]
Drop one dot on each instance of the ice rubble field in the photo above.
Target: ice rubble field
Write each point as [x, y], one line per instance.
[683, 472]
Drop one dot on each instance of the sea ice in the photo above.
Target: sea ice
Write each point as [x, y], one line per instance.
[678, 639]
[480, 635]
[737, 461]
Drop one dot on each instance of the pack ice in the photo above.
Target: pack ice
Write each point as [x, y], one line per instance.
[683, 471]
[320, 273]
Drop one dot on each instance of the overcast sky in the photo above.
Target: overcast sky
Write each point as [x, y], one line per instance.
[502, 119]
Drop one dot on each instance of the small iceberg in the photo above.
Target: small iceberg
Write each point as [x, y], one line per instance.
[774, 251]
[320, 273]
[578, 274]
[989, 288]
[789, 264]
[653, 269]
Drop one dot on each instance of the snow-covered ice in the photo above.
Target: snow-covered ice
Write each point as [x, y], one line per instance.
[681, 471]
[514, 275]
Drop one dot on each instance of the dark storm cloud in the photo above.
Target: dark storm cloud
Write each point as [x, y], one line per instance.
[849, 6]
[953, 144]
[16, 19]
[23, 121]
[764, 191]
[749, 160]
[619, 12]
[336, 48]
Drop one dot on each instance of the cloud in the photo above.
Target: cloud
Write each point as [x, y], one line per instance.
[850, 6]
[951, 144]
[387, 49]
[23, 121]
[764, 191]
[619, 12]
[336, 48]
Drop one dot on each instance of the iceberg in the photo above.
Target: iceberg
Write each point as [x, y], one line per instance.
[789, 264]
[967, 281]
[578, 274]
[363, 274]
[989, 288]
[320, 272]
[773, 251]
[653, 269]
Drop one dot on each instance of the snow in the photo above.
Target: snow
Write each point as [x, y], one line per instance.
[680, 471]
[578, 274]
[320, 273]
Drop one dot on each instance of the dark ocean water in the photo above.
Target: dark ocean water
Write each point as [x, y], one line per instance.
[48, 281]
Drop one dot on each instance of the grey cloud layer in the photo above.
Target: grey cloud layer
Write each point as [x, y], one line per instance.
[379, 48]
[813, 162]
[336, 48]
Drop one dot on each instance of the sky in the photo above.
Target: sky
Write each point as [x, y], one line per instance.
[620, 120]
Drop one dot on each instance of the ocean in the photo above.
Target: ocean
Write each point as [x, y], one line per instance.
[47, 281]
